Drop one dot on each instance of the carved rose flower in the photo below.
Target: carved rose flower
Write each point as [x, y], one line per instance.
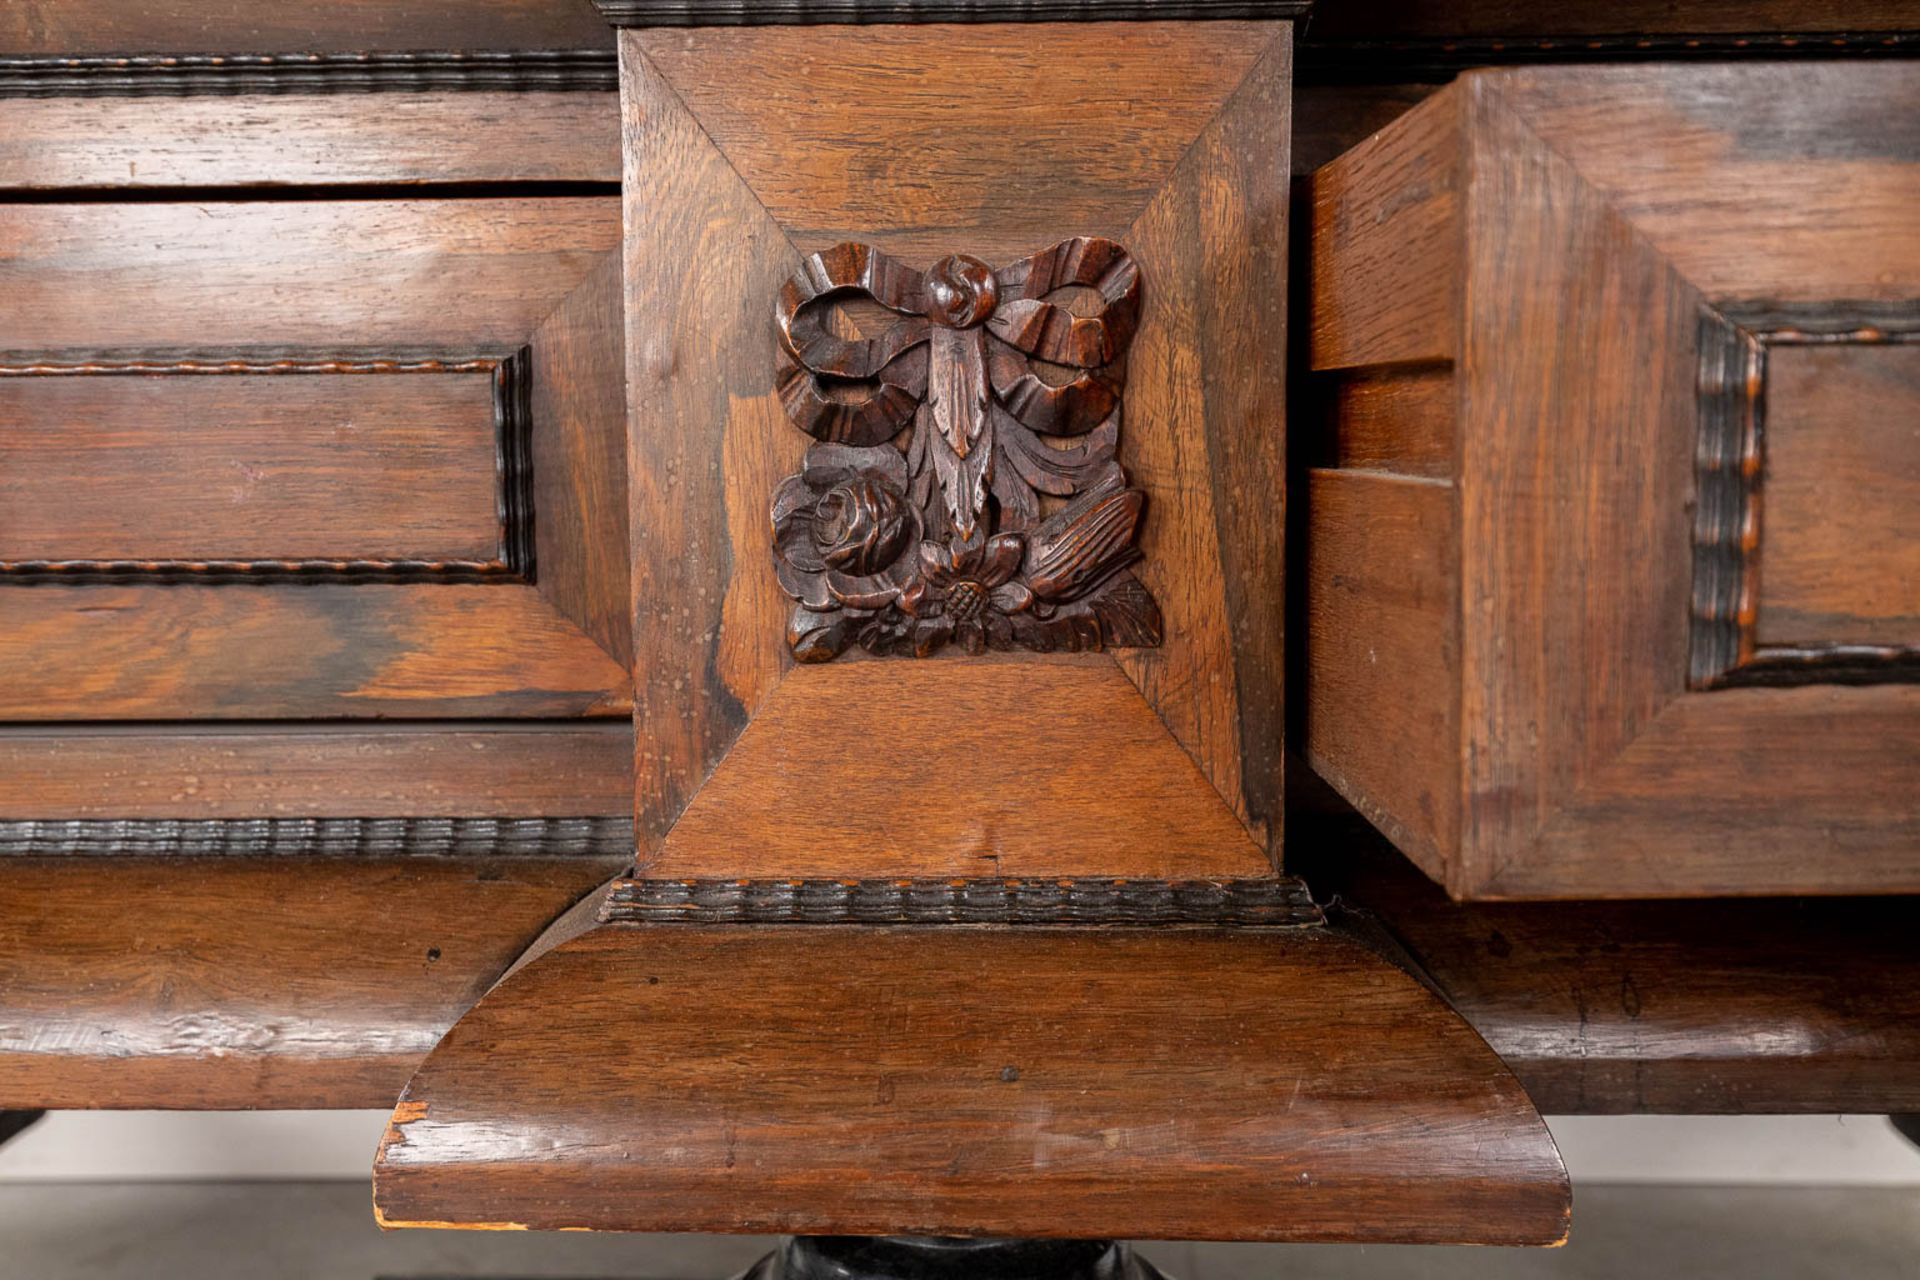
[843, 530]
[967, 593]
[862, 526]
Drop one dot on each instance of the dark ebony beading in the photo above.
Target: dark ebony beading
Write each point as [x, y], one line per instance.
[1268, 902]
[296, 837]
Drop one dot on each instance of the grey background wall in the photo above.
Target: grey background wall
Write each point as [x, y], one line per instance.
[107, 1146]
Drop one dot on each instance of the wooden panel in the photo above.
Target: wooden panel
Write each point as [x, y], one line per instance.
[1575, 534]
[1206, 439]
[579, 451]
[1385, 248]
[1840, 524]
[176, 652]
[240, 983]
[707, 442]
[1383, 653]
[317, 771]
[909, 769]
[1607, 207]
[104, 142]
[132, 466]
[1743, 791]
[61, 27]
[1061, 1082]
[369, 275]
[1749, 1007]
[926, 144]
[1207, 403]
[1777, 181]
[308, 283]
[1402, 419]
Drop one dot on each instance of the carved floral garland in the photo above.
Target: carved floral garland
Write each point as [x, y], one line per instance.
[919, 518]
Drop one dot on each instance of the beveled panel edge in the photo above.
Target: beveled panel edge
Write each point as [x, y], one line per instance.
[315, 837]
[1730, 480]
[1094, 901]
[728, 13]
[513, 428]
[162, 75]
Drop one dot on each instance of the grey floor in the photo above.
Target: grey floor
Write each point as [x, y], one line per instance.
[325, 1231]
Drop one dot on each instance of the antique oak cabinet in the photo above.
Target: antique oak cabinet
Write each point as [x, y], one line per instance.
[961, 628]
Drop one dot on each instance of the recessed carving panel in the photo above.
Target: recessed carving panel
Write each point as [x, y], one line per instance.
[294, 467]
[965, 486]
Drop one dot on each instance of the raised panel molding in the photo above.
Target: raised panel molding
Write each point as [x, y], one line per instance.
[513, 499]
[1731, 477]
[1600, 519]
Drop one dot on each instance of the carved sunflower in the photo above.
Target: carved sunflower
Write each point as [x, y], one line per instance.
[967, 593]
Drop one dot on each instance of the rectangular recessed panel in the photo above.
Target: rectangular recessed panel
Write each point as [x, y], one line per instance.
[250, 466]
[1839, 560]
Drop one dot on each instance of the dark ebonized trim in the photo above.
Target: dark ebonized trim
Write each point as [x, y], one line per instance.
[1266, 902]
[1394, 61]
[317, 837]
[562, 70]
[731, 13]
[584, 70]
[1730, 486]
[513, 429]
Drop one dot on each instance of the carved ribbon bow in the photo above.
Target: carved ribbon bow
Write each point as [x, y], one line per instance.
[1006, 400]
[959, 365]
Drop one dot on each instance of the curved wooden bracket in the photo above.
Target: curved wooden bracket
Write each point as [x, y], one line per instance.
[1037, 1080]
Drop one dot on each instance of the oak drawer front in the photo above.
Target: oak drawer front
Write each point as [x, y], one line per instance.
[281, 459]
[1631, 357]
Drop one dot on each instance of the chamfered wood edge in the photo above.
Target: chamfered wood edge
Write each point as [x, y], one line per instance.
[725, 13]
[1459, 1155]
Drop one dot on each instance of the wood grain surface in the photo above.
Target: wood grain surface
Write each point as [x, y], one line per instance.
[579, 457]
[1606, 207]
[423, 769]
[135, 466]
[59, 27]
[303, 274]
[706, 443]
[957, 766]
[180, 652]
[241, 983]
[994, 141]
[1383, 650]
[1029, 1082]
[404, 139]
[1402, 419]
[1787, 1006]
[1384, 247]
[1206, 438]
[1840, 538]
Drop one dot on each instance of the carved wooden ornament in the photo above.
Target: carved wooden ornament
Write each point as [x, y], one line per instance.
[964, 486]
